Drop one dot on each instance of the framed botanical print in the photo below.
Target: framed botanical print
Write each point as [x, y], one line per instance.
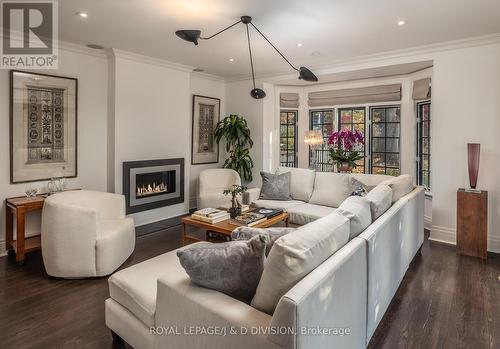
[206, 114]
[43, 127]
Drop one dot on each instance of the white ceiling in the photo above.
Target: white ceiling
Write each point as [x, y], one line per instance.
[336, 29]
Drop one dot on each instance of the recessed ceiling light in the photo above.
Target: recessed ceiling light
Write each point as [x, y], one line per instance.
[401, 22]
[316, 53]
[300, 44]
[231, 60]
[82, 14]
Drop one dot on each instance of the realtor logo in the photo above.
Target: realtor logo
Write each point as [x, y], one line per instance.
[29, 34]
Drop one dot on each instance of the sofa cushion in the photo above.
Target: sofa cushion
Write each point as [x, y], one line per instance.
[295, 255]
[370, 180]
[400, 186]
[284, 205]
[330, 189]
[380, 199]
[135, 287]
[307, 213]
[357, 210]
[301, 182]
[272, 234]
[233, 267]
[275, 186]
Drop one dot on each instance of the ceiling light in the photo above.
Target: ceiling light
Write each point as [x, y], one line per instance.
[82, 14]
[401, 22]
[231, 60]
[257, 93]
[299, 45]
[315, 53]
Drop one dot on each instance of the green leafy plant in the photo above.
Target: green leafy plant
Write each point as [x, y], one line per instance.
[234, 129]
[234, 191]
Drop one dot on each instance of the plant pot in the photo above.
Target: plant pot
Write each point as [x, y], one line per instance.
[344, 168]
[234, 211]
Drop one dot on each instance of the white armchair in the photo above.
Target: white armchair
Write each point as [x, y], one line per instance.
[85, 234]
[211, 185]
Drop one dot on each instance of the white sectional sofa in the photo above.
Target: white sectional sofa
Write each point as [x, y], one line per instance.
[350, 290]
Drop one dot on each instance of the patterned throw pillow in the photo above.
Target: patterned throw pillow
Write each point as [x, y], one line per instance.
[359, 188]
[272, 234]
[275, 186]
[233, 268]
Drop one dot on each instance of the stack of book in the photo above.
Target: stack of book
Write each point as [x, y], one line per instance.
[248, 219]
[244, 208]
[211, 215]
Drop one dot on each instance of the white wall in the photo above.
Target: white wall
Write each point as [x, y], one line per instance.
[90, 68]
[209, 87]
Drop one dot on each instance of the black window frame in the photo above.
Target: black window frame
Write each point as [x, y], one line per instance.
[420, 141]
[322, 154]
[295, 143]
[385, 152]
[352, 123]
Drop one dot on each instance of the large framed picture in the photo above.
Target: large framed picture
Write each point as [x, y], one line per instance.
[206, 114]
[43, 126]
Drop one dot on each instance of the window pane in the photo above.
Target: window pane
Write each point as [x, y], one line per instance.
[360, 128]
[392, 145]
[358, 116]
[425, 146]
[378, 159]
[288, 138]
[346, 116]
[393, 160]
[328, 117]
[393, 115]
[378, 115]
[378, 144]
[425, 128]
[317, 118]
[283, 118]
[378, 170]
[393, 172]
[291, 118]
[378, 130]
[346, 127]
[291, 131]
[392, 130]
[425, 162]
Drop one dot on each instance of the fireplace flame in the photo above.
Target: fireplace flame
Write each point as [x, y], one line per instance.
[151, 189]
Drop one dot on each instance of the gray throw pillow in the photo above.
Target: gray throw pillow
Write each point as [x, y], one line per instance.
[272, 234]
[275, 186]
[359, 188]
[233, 268]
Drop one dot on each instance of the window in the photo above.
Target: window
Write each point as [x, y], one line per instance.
[385, 140]
[322, 120]
[354, 119]
[424, 144]
[288, 138]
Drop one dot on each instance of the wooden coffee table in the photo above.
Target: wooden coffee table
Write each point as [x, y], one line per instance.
[224, 227]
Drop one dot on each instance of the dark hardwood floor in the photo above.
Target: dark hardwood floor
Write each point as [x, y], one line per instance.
[445, 301]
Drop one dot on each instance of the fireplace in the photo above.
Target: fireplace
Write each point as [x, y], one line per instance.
[151, 184]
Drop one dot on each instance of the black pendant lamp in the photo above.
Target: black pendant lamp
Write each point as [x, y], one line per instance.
[257, 93]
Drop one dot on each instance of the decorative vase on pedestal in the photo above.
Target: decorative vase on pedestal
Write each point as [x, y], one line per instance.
[473, 152]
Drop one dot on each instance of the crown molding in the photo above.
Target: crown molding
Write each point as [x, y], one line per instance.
[423, 50]
[81, 49]
[208, 76]
[150, 60]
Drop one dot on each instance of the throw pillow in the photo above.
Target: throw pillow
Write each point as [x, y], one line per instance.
[275, 186]
[400, 186]
[295, 255]
[380, 199]
[359, 188]
[301, 182]
[357, 210]
[272, 234]
[330, 189]
[233, 268]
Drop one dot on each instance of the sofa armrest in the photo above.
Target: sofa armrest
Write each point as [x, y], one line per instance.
[251, 195]
[332, 297]
[182, 305]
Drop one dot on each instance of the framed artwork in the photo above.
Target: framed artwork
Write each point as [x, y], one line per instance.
[43, 126]
[206, 114]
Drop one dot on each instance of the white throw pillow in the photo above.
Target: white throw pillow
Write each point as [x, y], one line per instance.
[330, 189]
[295, 255]
[301, 182]
[400, 186]
[357, 210]
[380, 199]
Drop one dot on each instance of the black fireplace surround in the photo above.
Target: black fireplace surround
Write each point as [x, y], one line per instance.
[149, 184]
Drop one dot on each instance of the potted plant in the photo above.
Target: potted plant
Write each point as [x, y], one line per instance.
[343, 149]
[235, 191]
[234, 129]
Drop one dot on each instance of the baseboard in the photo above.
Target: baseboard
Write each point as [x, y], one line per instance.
[449, 236]
[3, 252]
[159, 225]
[427, 222]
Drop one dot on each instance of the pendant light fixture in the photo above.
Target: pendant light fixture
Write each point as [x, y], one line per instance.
[257, 93]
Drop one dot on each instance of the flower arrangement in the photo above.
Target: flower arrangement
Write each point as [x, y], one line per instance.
[343, 148]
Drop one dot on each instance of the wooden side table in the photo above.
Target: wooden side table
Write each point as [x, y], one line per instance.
[472, 223]
[18, 207]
